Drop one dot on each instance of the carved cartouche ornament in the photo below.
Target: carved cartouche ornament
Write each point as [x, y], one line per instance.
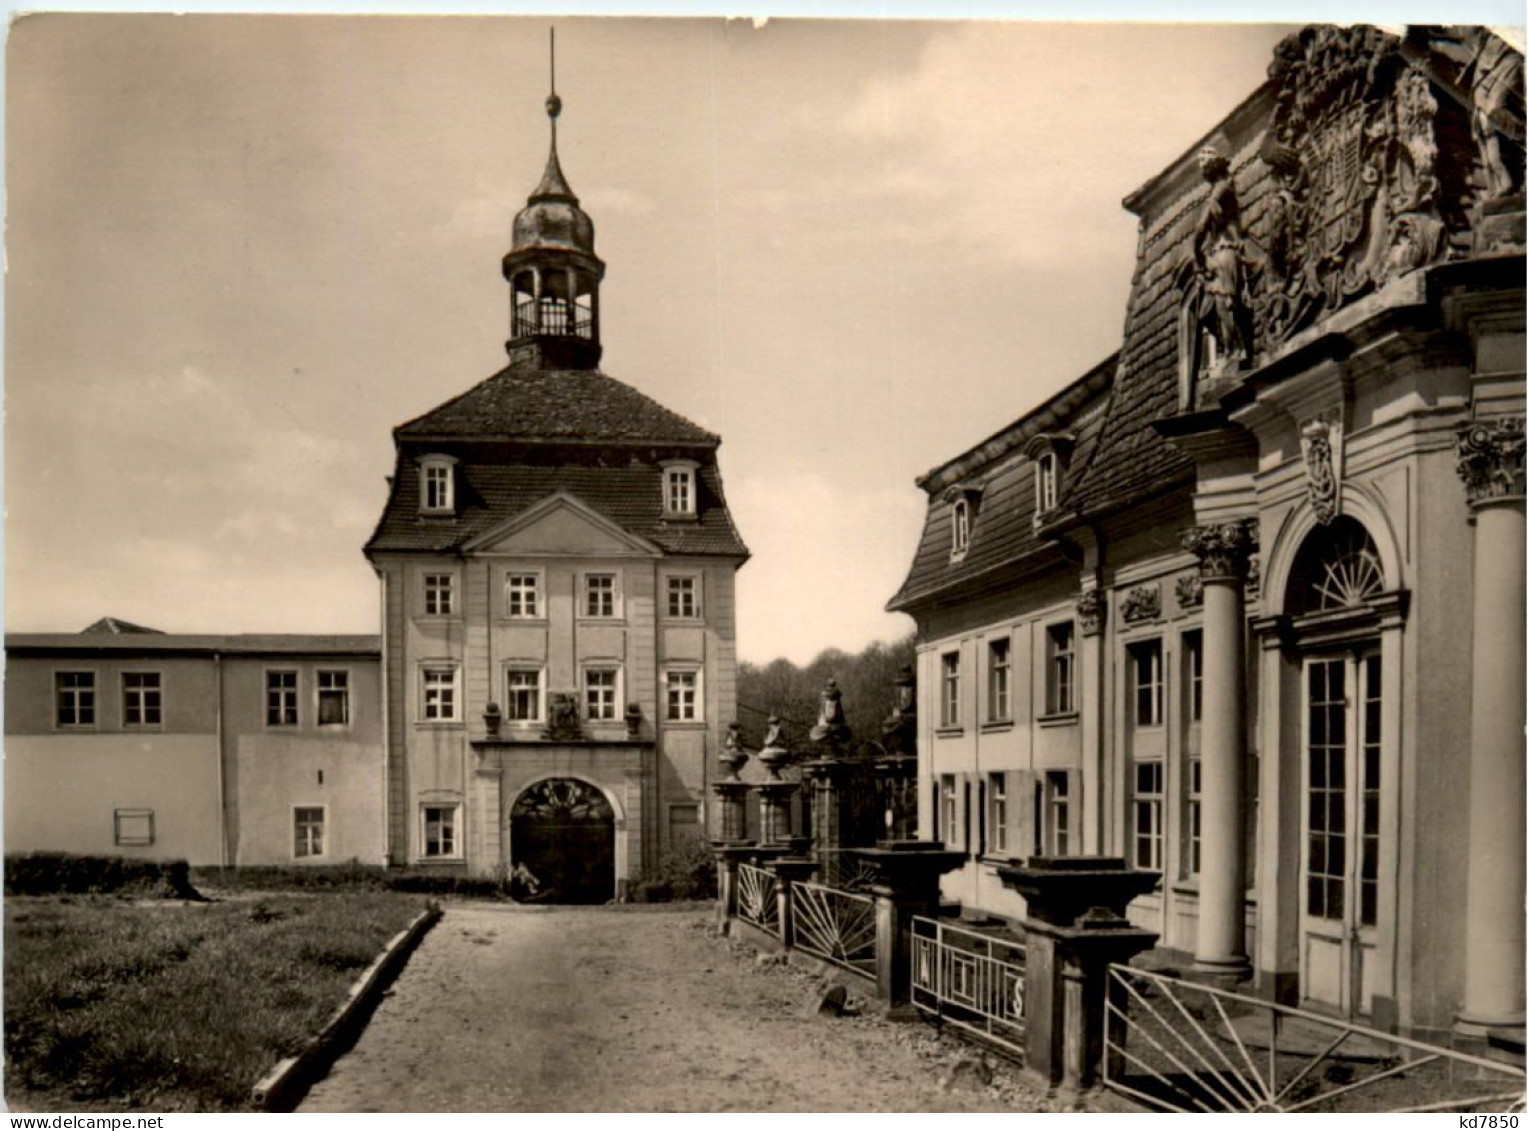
[1090, 612]
[563, 723]
[1222, 549]
[1189, 590]
[1371, 171]
[1321, 478]
[1491, 459]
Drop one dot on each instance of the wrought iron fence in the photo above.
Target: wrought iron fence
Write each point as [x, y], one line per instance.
[1179, 1046]
[971, 980]
[836, 925]
[756, 897]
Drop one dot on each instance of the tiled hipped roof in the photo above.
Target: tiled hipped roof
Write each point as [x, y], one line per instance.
[488, 494]
[1002, 530]
[529, 403]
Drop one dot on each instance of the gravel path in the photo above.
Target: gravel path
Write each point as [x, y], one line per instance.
[507, 1008]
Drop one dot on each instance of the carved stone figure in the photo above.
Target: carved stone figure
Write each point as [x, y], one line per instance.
[1495, 80]
[1142, 603]
[733, 756]
[899, 730]
[1189, 590]
[1217, 290]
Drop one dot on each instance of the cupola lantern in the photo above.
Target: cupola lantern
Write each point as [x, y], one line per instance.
[551, 268]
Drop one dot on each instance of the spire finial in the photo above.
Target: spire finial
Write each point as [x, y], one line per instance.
[553, 103]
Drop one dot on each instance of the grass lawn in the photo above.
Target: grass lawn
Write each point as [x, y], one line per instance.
[176, 1007]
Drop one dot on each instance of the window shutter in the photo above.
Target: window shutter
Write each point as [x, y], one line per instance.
[981, 816]
[966, 839]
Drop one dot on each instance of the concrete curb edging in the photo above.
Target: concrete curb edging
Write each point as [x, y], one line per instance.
[284, 1086]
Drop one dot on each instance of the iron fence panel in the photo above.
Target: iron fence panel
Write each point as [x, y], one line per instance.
[1181, 1046]
[756, 897]
[971, 980]
[835, 925]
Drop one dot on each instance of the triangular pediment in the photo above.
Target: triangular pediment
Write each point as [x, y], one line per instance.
[561, 525]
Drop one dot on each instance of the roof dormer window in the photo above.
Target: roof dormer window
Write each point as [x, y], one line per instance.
[1049, 453]
[437, 485]
[963, 502]
[679, 489]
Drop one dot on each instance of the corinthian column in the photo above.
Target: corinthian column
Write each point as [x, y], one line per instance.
[1220, 952]
[1491, 464]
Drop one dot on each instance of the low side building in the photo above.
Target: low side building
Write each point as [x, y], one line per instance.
[231, 750]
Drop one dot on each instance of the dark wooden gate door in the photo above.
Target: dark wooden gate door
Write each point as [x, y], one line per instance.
[562, 832]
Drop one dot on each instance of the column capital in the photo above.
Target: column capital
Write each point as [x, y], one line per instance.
[1223, 548]
[1090, 612]
[1490, 454]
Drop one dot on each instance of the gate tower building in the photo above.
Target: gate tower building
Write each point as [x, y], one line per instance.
[557, 562]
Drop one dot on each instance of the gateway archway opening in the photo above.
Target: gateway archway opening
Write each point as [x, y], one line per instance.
[562, 843]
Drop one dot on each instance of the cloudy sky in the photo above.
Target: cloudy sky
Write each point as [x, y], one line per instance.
[241, 248]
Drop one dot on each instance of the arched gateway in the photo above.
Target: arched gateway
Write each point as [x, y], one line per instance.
[562, 833]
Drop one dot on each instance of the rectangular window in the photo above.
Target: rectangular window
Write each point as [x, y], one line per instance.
[440, 835]
[522, 595]
[1046, 482]
[439, 689]
[1193, 650]
[599, 595]
[1060, 670]
[75, 698]
[1193, 815]
[309, 831]
[280, 699]
[683, 696]
[997, 811]
[949, 812]
[683, 597]
[680, 490]
[600, 693]
[999, 671]
[437, 487]
[1147, 810]
[1146, 682]
[439, 594]
[949, 694]
[1058, 826]
[333, 699]
[133, 828]
[961, 533]
[523, 695]
[142, 705]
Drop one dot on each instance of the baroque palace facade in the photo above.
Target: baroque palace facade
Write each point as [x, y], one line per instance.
[1244, 604]
[556, 664]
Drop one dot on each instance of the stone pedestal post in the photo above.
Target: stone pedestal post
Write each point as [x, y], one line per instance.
[1075, 928]
[826, 777]
[789, 870]
[906, 884]
[1491, 464]
[1220, 952]
[728, 856]
[775, 811]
